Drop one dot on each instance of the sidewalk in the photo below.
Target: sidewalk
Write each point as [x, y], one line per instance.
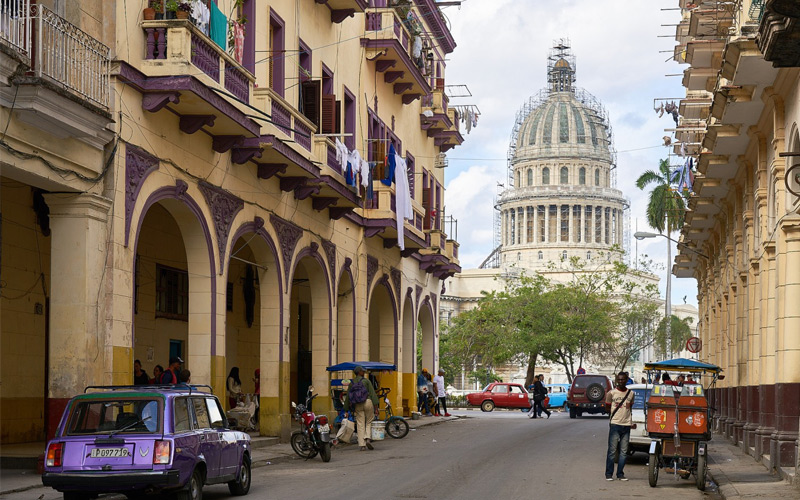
[14, 480]
[739, 476]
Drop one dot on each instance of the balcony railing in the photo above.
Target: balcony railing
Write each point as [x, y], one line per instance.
[66, 56]
[15, 26]
[206, 55]
[285, 117]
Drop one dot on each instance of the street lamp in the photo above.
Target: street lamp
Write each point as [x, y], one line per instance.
[640, 235]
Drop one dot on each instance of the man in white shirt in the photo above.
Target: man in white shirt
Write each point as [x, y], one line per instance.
[439, 390]
[619, 402]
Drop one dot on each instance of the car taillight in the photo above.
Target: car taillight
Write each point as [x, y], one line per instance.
[161, 452]
[323, 420]
[54, 454]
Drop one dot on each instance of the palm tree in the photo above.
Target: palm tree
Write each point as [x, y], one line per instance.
[666, 207]
[665, 210]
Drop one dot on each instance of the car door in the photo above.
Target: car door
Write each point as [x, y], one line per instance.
[210, 448]
[500, 395]
[517, 397]
[226, 438]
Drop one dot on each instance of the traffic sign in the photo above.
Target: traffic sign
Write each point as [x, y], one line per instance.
[694, 345]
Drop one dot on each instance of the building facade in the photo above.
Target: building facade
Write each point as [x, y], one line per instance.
[172, 188]
[741, 237]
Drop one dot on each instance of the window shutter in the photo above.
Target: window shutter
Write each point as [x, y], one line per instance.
[380, 157]
[338, 129]
[440, 84]
[271, 56]
[426, 204]
[311, 100]
[328, 114]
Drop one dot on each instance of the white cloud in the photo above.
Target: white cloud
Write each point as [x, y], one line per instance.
[502, 57]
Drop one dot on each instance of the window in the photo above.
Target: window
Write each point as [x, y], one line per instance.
[541, 255]
[181, 422]
[564, 255]
[515, 389]
[597, 177]
[582, 176]
[564, 175]
[580, 132]
[519, 256]
[548, 125]
[106, 416]
[501, 389]
[589, 255]
[172, 293]
[545, 175]
[277, 56]
[530, 177]
[201, 413]
[215, 413]
[519, 182]
[534, 127]
[563, 123]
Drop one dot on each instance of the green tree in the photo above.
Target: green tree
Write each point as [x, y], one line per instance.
[666, 206]
[672, 340]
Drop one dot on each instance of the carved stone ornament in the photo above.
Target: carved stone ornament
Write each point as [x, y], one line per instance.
[330, 254]
[258, 222]
[396, 280]
[347, 263]
[288, 236]
[138, 165]
[224, 207]
[372, 268]
[180, 189]
[418, 291]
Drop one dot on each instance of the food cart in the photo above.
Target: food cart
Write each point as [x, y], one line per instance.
[679, 420]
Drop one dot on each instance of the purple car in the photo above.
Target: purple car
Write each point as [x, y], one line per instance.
[138, 440]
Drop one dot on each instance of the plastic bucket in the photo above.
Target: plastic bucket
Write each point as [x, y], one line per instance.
[377, 430]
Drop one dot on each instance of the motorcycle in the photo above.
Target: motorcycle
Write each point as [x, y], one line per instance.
[314, 435]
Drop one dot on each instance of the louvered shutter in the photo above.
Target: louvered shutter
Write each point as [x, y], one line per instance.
[328, 114]
[426, 204]
[311, 100]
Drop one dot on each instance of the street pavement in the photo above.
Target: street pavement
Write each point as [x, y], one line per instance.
[498, 455]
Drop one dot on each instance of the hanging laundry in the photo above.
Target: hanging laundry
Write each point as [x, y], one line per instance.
[660, 110]
[238, 40]
[201, 15]
[402, 194]
[366, 178]
[341, 152]
[475, 116]
[683, 148]
[349, 177]
[370, 189]
[353, 163]
[218, 26]
[390, 166]
[667, 140]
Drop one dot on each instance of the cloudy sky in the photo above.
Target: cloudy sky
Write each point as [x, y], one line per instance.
[502, 58]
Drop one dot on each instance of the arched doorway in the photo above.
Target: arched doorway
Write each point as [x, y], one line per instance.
[383, 336]
[309, 331]
[425, 336]
[173, 288]
[408, 355]
[345, 319]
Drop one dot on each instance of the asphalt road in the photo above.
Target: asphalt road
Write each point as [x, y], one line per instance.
[498, 455]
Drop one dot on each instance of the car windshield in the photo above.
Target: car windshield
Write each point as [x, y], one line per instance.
[140, 416]
[639, 397]
[584, 382]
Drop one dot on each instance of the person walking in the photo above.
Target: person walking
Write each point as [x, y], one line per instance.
[441, 393]
[363, 402]
[431, 403]
[619, 402]
[422, 391]
[539, 395]
[139, 376]
[234, 384]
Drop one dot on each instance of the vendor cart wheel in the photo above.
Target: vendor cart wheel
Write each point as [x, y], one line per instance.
[396, 427]
[652, 470]
[700, 474]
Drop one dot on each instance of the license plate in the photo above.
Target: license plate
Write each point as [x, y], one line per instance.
[109, 453]
[325, 428]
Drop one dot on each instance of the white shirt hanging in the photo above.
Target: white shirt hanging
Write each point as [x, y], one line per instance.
[341, 153]
[402, 196]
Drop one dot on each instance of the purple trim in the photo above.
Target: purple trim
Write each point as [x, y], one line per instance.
[189, 124]
[290, 154]
[349, 113]
[249, 55]
[241, 155]
[391, 76]
[396, 280]
[372, 268]
[429, 11]
[302, 134]
[306, 189]
[321, 203]
[223, 207]
[330, 253]
[278, 46]
[409, 98]
[224, 143]
[339, 15]
[257, 227]
[391, 43]
[237, 83]
[384, 280]
[281, 117]
[288, 236]
[331, 159]
[337, 213]
[341, 189]
[384, 64]
[267, 170]
[369, 232]
[346, 269]
[288, 184]
[179, 193]
[138, 165]
[417, 292]
[205, 58]
[186, 83]
[157, 100]
[399, 88]
[373, 21]
[311, 251]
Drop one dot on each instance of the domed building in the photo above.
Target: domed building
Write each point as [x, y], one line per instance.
[561, 198]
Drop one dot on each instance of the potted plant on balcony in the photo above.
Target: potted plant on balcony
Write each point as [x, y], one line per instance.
[154, 10]
[184, 8]
[172, 8]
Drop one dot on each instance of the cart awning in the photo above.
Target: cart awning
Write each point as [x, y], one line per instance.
[368, 365]
[683, 364]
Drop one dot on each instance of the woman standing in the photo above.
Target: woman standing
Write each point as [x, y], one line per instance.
[234, 386]
[157, 371]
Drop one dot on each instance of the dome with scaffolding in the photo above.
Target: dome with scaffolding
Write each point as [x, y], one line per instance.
[560, 200]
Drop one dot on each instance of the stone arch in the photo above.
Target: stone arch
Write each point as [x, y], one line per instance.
[409, 326]
[426, 329]
[382, 335]
[201, 294]
[793, 164]
[346, 315]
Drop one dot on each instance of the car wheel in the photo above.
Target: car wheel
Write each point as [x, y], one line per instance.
[580, 414]
[595, 392]
[194, 488]
[487, 405]
[700, 474]
[572, 413]
[241, 485]
[652, 470]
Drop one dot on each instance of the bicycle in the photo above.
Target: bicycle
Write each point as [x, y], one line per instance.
[396, 426]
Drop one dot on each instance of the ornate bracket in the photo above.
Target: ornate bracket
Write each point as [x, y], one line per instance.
[224, 207]
[267, 170]
[288, 236]
[190, 124]
[154, 101]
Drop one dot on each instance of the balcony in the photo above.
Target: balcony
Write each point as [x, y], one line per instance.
[778, 32]
[342, 9]
[60, 73]
[177, 47]
[388, 44]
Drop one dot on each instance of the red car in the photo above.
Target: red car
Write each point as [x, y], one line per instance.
[500, 395]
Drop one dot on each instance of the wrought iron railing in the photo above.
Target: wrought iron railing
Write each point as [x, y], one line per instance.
[67, 56]
[15, 25]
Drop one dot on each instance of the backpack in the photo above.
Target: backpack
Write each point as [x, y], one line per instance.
[357, 392]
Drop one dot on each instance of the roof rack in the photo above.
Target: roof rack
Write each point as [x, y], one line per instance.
[190, 387]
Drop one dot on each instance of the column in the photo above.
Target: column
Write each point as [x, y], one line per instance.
[571, 228]
[78, 340]
[547, 223]
[525, 224]
[603, 225]
[766, 423]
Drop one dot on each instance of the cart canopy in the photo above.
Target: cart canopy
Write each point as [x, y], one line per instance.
[368, 365]
[683, 364]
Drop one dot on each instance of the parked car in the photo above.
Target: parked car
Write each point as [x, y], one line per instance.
[146, 439]
[639, 441]
[500, 395]
[587, 395]
[558, 395]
